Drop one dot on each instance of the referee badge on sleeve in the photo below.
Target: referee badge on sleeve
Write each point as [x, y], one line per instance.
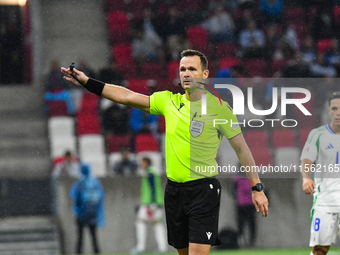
[196, 128]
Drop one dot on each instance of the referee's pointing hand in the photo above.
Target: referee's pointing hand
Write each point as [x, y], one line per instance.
[75, 76]
[260, 202]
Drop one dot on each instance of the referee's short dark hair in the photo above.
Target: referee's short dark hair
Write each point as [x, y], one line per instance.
[191, 53]
[147, 160]
[334, 96]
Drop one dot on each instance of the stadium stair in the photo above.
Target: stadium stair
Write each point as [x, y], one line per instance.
[29, 236]
[23, 147]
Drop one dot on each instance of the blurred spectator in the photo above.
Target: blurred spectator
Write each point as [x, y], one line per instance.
[67, 165]
[271, 11]
[176, 44]
[296, 68]
[149, 23]
[272, 41]
[115, 120]
[252, 41]
[126, 165]
[324, 24]
[56, 87]
[320, 68]
[174, 24]
[151, 209]
[333, 55]
[111, 74]
[291, 38]
[220, 26]
[88, 205]
[308, 50]
[142, 122]
[146, 47]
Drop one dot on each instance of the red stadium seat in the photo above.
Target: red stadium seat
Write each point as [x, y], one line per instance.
[161, 121]
[191, 5]
[152, 70]
[302, 119]
[122, 53]
[278, 65]
[283, 138]
[56, 108]
[323, 45]
[336, 12]
[256, 67]
[256, 139]
[303, 135]
[262, 156]
[116, 5]
[198, 38]
[119, 27]
[228, 62]
[225, 50]
[173, 70]
[138, 7]
[89, 104]
[139, 85]
[146, 142]
[292, 14]
[301, 29]
[88, 124]
[115, 142]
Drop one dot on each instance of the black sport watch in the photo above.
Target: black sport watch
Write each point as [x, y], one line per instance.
[257, 187]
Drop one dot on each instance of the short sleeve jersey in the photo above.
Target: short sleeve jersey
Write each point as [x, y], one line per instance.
[192, 138]
[322, 147]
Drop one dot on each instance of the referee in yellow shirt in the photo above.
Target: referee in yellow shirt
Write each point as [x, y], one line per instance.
[192, 197]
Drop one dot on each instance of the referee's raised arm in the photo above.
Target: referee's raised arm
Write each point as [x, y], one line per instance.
[113, 92]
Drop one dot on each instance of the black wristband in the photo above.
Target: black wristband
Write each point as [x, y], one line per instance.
[94, 86]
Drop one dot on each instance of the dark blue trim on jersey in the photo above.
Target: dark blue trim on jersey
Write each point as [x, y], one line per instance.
[330, 130]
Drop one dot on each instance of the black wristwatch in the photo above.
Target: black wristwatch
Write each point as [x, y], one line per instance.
[257, 187]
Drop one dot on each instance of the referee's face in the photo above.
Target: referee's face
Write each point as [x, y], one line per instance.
[334, 111]
[190, 68]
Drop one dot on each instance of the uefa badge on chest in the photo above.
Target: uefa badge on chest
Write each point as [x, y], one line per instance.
[196, 128]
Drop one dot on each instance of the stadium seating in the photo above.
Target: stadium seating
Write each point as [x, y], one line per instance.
[98, 164]
[294, 14]
[116, 5]
[89, 104]
[115, 157]
[90, 145]
[283, 138]
[88, 124]
[198, 38]
[256, 67]
[323, 45]
[145, 142]
[173, 70]
[262, 156]
[302, 119]
[257, 139]
[336, 12]
[61, 126]
[228, 62]
[139, 85]
[303, 135]
[115, 142]
[226, 155]
[119, 27]
[58, 145]
[56, 108]
[278, 65]
[152, 70]
[225, 50]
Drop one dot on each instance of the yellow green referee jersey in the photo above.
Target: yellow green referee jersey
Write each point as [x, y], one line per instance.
[192, 139]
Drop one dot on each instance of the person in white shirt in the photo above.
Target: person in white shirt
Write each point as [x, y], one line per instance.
[320, 155]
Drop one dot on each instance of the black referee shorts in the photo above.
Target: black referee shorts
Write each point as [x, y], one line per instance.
[192, 211]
